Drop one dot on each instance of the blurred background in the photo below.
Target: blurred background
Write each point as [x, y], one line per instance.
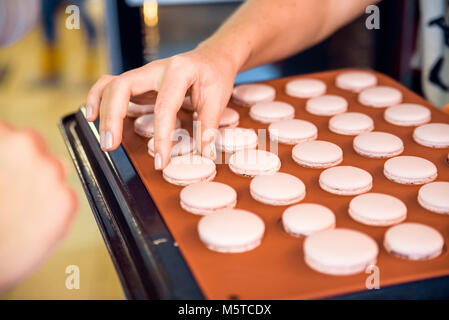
[47, 64]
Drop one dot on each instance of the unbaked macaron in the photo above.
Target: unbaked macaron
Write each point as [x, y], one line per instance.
[188, 169]
[248, 94]
[292, 131]
[207, 197]
[340, 251]
[434, 197]
[407, 115]
[413, 241]
[183, 145]
[355, 81]
[305, 88]
[231, 231]
[433, 135]
[229, 118]
[345, 180]
[377, 209]
[144, 125]
[233, 139]
[252, 162]
[351, 123]
[136, 110]
[380, 97]
[327, 105]
[317, 154]
[271, 111]
[378, 145]
[278, 189]
[301, 220]
[410, 170]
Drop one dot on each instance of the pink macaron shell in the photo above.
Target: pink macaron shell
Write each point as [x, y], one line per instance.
[144, 125]
[378, 145]
[233, 139]
[183, 145]
[248, 94]
[304, 219]
[413, 241]
[317, 154]
[377, 209]
[229, 118]
[305, 88]
[292, 131]
[407, 115]
[252, 162]
[355, 81]
[434, 197]
[351, 123]
[380, 97]
[340, 252]
[327, 105]
[433, 135]
[207, 197]
[270, 111]
[278, 189]
[136, 110]
[231, 231]
[410, 170]
[188, 169]
[345, 180]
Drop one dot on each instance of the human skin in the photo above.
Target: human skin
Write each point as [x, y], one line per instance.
[259, 32]
[36, 204]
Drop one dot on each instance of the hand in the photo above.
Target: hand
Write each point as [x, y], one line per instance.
[36, 205]
[206, 73]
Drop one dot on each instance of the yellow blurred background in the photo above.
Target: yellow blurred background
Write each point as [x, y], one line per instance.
[27, 103]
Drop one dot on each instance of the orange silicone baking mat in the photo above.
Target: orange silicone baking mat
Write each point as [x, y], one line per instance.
[276, 269]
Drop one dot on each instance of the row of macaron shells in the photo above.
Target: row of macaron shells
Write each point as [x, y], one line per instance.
[322, 154]
[254, 193]
[369, 205]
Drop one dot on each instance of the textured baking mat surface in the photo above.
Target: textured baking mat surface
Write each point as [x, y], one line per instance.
[276, 269]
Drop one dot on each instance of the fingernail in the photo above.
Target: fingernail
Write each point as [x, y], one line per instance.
[89, 112]
[157, 162]
[195, 115]
[106, 140]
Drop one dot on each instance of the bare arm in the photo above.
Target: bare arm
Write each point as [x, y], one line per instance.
[264, 31]
[260, 31]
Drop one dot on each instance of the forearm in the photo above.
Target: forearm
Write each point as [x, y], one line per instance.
[263, 31]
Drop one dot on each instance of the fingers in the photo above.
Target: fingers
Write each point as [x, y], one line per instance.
[35, 143]
[211, 105]
[94, 97]
[113, 108]
[37, 139]
[116, 97]
[177, 79]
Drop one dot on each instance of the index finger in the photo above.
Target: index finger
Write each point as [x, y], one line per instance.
[169, 100]
[115, 99]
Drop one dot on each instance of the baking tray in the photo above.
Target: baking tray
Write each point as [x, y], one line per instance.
[276, 269]
[191, 271]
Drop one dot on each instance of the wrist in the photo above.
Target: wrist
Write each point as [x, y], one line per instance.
[235, 53]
